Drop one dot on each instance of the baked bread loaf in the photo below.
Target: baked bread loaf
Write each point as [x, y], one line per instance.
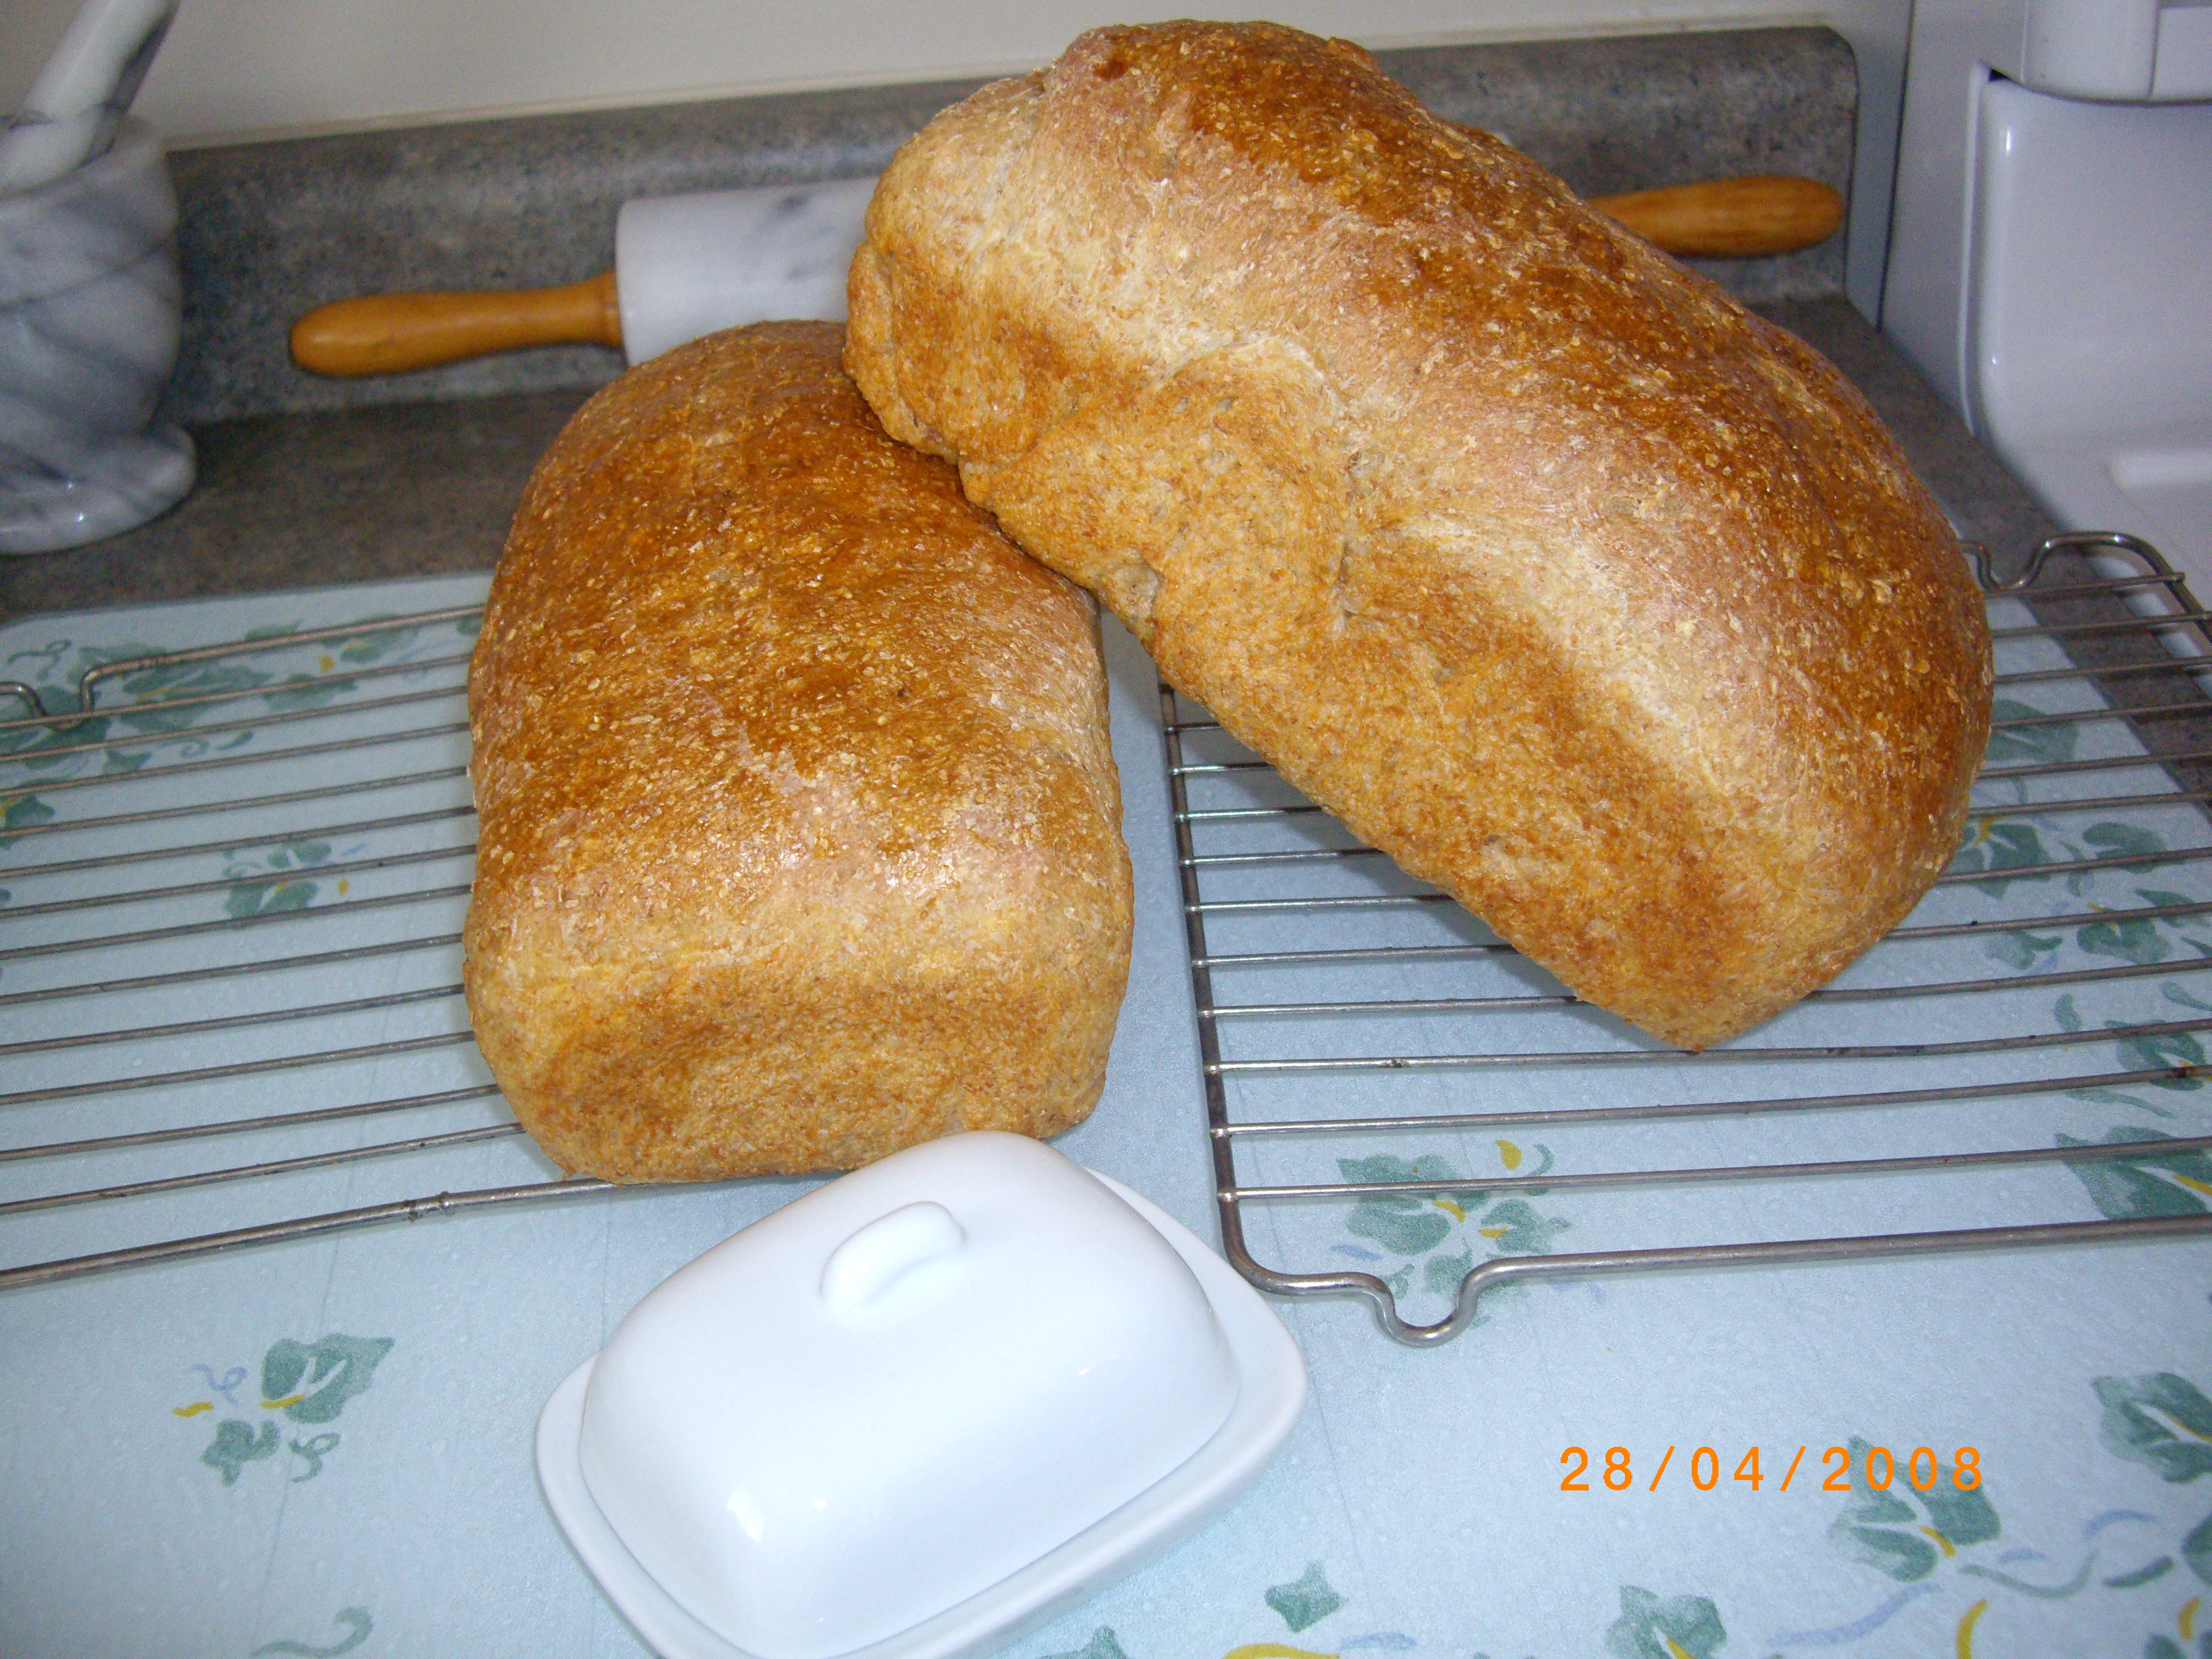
[1560, 578]
[799, 838]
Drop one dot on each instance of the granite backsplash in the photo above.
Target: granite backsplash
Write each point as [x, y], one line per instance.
[272, 229]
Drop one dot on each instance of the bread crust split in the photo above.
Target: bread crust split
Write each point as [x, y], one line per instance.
[798, 830]
[1562, 579]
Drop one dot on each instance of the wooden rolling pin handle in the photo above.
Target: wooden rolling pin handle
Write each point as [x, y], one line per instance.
[1730, 218]
[1724, 218]
[387, 333]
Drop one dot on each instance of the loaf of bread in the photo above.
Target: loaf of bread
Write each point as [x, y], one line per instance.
[1560, 578]
[799, 838]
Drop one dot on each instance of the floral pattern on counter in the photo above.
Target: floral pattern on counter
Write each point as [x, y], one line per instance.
[302, 1385]
[1649, 1627]
[1906, 1533]
[1684, 1627]
[1904, 1547]
[1435, 1238]
[2164, 1422]
[2140, 926]
[283, 887]
[1931, 1540]
[355, 1621]
[1307, 1601]
[1424, 1245]
[123, 738]
[1944, 1537]
[2155, 1184]
[1101, 1645]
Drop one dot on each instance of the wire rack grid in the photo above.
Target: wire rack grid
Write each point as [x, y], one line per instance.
[1402, 1108]
[230, 948]
[238, 872]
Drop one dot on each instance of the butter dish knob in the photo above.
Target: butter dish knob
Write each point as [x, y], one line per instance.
[888, 1249]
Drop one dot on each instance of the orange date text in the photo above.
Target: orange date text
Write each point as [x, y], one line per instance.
[1923, 1468]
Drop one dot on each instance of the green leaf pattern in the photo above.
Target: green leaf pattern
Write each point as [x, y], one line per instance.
[311, 1384]
[2026, 840]
[355, 1621]
[1306, 1602]
[1686, 1627]
[287, 889]
[2128, 1189]
[1906, 1533]
[1101, 1645]
[2046, 742]
[2000, 845]
[1444, 1232]
[157, 711]
[306, 1383]
[21, 812]
[2135, 923]
[2161, 1420]
[236, 1445]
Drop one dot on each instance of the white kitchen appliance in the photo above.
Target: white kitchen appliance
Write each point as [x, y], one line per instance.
[2051, 260]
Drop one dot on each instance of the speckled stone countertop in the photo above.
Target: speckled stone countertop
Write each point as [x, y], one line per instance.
[306, 482]
[302, 499]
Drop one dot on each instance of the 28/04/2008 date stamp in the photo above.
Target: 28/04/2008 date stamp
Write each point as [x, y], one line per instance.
[1920, 1468]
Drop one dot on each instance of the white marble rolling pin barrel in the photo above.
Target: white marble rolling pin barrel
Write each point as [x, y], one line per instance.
[686, 265]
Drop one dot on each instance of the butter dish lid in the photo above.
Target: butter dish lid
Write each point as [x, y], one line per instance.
[913, 1403]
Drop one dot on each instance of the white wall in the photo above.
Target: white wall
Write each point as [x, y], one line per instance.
[240, 68]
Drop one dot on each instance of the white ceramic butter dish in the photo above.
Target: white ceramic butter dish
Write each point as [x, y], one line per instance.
[927, 1405]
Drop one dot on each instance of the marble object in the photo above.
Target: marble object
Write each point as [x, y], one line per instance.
[89, 324]
[686, 265]
[76, 106]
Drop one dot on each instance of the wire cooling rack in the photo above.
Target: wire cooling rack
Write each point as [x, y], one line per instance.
[229, 952]
[230, 949]
[1402, 1108]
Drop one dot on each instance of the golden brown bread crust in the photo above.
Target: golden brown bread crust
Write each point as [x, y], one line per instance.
[1559, 577]
[800, 839]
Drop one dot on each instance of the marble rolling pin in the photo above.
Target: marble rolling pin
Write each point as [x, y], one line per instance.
[686, 265]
